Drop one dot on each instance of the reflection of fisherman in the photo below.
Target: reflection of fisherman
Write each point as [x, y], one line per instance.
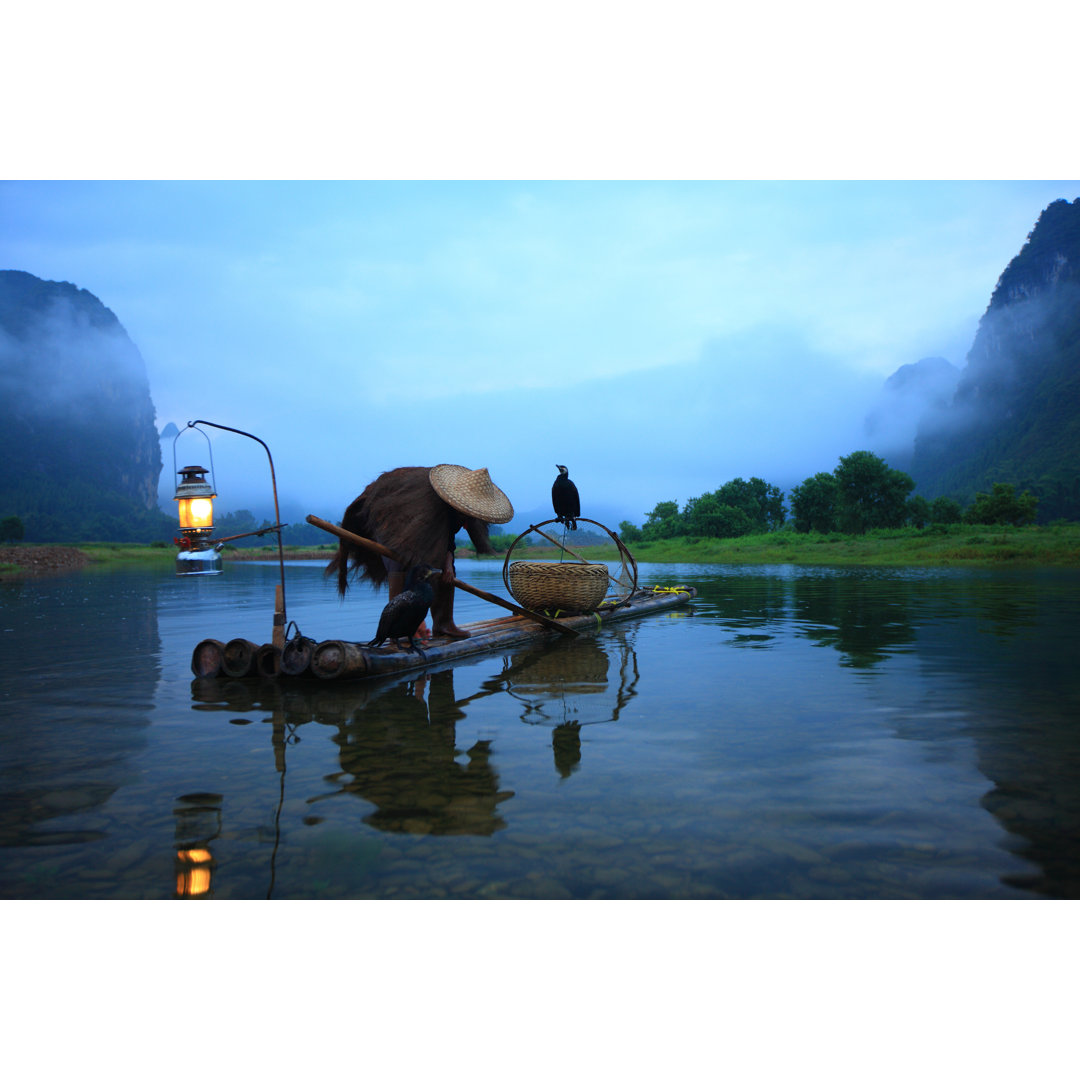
[417, 512]
[402, 757]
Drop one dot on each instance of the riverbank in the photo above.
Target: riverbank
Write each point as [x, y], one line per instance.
[939, 545]
[952, 545]
[39, 560]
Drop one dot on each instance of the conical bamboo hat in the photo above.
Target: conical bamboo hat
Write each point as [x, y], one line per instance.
[472, 492]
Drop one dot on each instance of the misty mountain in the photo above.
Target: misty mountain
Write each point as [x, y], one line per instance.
[909, 394]
[1013, 413]
[78, 444]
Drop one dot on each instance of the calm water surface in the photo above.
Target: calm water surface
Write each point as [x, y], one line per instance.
[796, 733]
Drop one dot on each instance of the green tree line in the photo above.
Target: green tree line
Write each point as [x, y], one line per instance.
[863, 492]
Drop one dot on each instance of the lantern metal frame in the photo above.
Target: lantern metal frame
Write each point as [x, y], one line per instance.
[280, 620]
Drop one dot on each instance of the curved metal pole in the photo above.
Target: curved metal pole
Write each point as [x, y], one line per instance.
[277, 513]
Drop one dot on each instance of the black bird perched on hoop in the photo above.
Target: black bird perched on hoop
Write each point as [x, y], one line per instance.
[404, 614]
[565, 499]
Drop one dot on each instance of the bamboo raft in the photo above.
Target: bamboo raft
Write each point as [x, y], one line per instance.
[303, 657]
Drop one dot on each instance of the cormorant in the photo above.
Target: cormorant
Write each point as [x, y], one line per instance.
[564, 499]
[403, 615]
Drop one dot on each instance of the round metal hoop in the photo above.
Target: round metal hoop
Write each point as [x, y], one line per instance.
[629, 566]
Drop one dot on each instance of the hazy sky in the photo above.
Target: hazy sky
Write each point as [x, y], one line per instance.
[658, 338]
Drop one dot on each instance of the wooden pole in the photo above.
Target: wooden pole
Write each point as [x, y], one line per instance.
[279, 618]
[379, 549]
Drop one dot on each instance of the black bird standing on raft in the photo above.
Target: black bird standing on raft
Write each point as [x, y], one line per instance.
[565, 499]
[404, 614]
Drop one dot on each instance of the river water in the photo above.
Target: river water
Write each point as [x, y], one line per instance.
[796, 733]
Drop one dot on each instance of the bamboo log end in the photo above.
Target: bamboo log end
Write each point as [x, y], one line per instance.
[238, 657]
[296, 656]
[268, 661]
[337, 659]
[206, 658]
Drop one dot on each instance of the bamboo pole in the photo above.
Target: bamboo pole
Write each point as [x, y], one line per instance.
[278, 637]
[380, 549]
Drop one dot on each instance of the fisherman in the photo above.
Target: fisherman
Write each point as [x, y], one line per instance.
[417, 512]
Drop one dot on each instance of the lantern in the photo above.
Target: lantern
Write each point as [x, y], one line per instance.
[194, 497]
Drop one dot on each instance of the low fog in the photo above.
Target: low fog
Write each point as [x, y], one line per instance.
[62, 361]
[762, 403]
[908, 397]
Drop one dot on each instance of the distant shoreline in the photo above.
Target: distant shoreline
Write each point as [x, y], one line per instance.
[39, 560]
[977, 546]
[935, 546]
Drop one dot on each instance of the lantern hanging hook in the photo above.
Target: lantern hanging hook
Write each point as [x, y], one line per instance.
[209, 450]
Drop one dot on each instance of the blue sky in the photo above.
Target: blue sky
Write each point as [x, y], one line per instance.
[469, 262]
[659, 338]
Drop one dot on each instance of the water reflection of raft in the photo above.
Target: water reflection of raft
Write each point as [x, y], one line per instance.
[305, 658]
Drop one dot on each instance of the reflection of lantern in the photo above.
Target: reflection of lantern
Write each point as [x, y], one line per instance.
[194, 502]
[198, 824]
[193, 866]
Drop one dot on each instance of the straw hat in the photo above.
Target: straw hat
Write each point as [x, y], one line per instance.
[472, 492]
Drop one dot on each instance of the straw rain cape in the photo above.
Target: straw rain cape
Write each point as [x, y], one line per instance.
[401, 510]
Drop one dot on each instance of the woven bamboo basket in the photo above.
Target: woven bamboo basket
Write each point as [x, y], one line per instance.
[545, 586]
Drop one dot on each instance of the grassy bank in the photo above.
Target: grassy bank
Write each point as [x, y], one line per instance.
[105, 555]
[953, 545]
[33, 560]
[322, 551]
